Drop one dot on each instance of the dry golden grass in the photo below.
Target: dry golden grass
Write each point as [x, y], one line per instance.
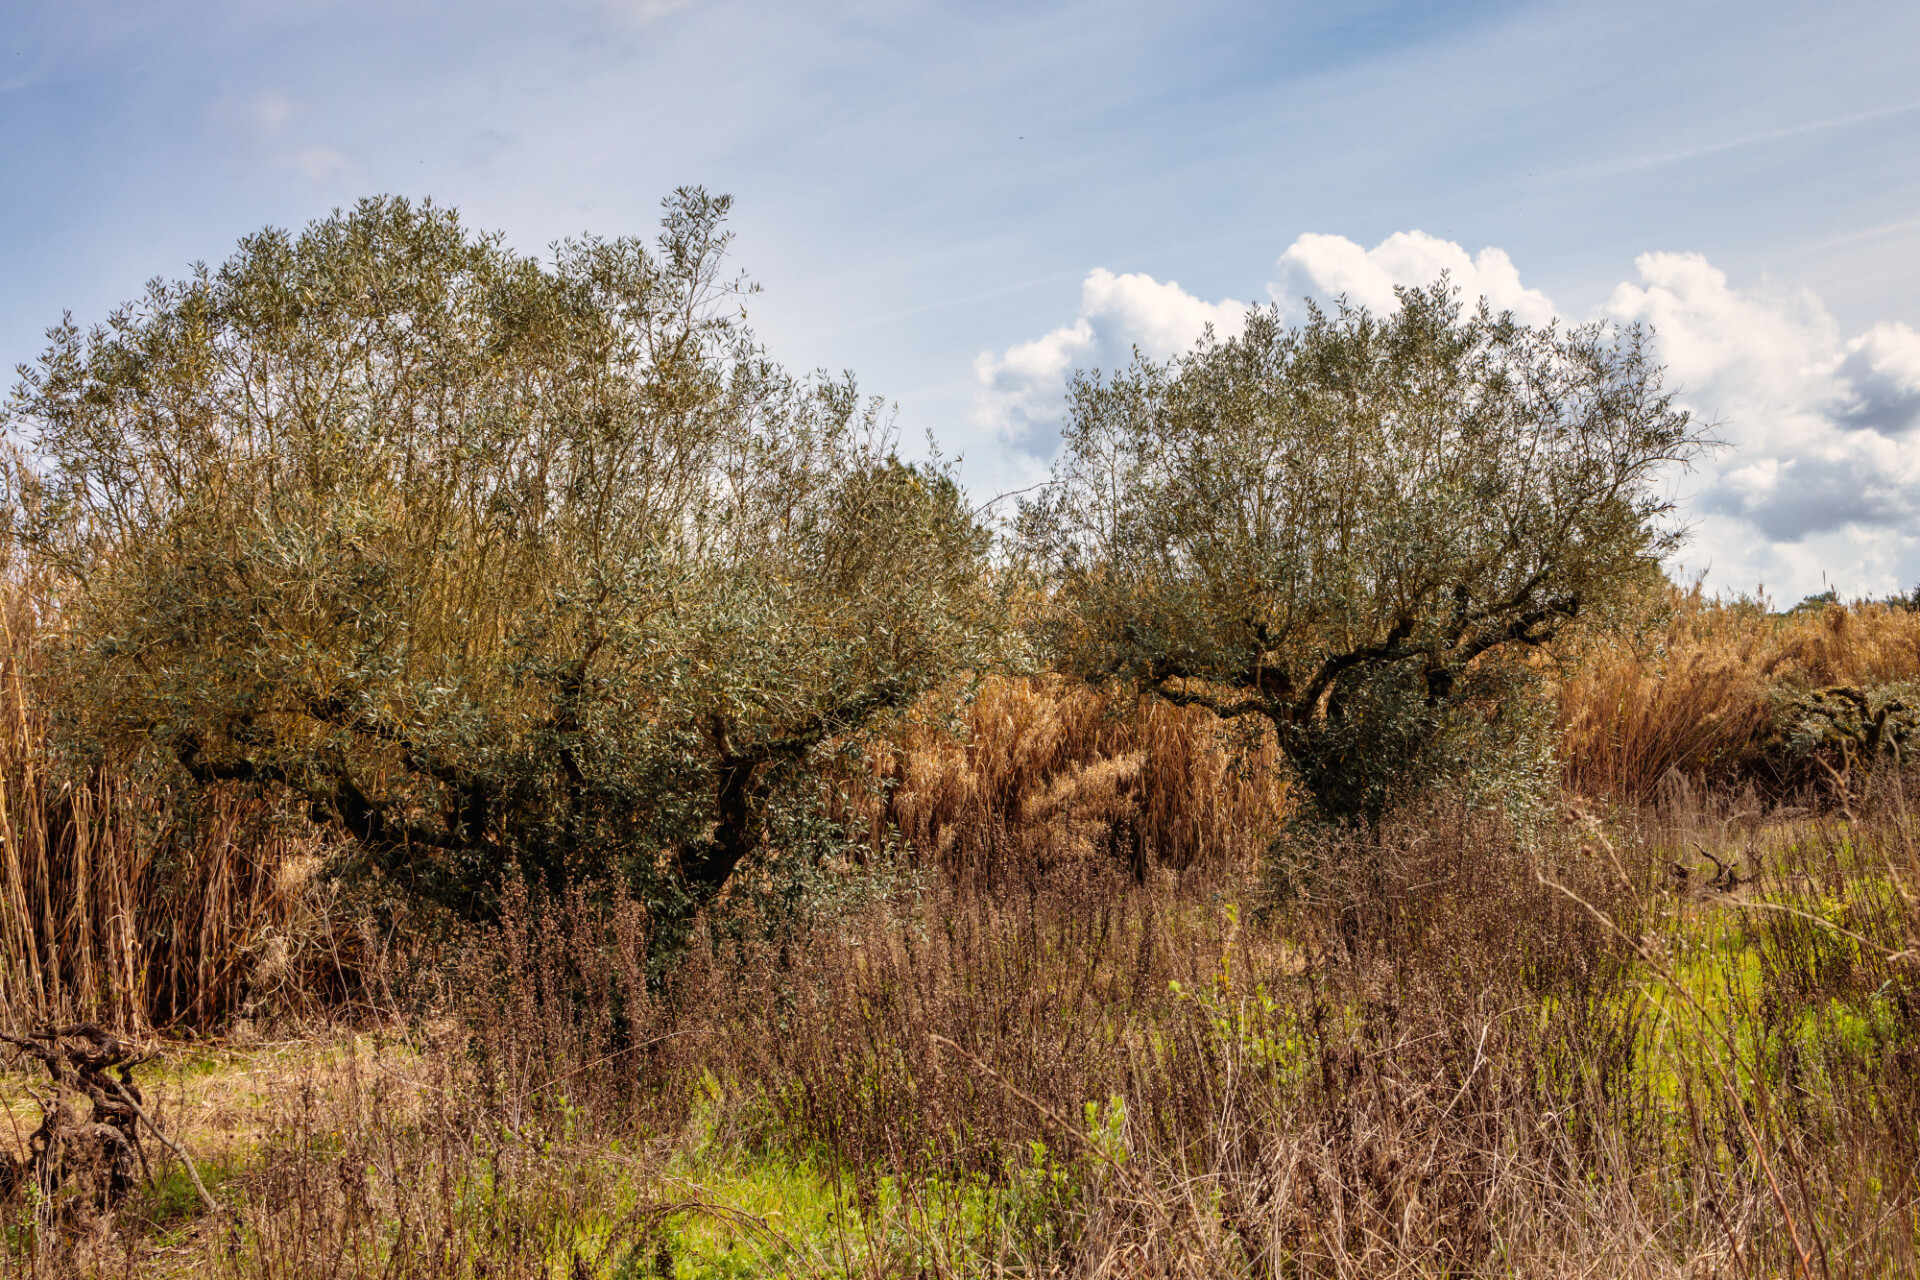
[1696, 696]
[1042, 773]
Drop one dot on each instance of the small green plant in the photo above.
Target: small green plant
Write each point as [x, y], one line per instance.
[1248, 1025]
[171, 1202]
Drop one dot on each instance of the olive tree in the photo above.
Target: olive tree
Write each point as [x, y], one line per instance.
[480, 558]
[1350, 528]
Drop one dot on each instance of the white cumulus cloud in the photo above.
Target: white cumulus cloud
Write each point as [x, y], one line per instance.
[1328, 267]
[1021, 392]
[1819, 480]
[1822, 461]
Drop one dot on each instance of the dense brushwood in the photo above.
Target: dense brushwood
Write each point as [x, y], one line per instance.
[483, 562]
[1356, 528]
[147, 907]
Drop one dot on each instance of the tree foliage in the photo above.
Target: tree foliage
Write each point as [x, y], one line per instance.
[1348, 528]
[479, 558]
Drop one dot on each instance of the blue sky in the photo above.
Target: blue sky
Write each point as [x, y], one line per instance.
[961, 202]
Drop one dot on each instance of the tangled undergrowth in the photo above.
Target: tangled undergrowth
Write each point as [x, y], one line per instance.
[1064, 1007]
[1447, 1052]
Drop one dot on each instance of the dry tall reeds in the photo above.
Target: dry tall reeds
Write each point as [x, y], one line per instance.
[119, 901]
[1698, 696]
[1046, 772]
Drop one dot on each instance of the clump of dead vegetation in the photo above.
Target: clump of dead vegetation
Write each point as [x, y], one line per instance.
[1730, 694]
[99, 1150]
[1449, 1051]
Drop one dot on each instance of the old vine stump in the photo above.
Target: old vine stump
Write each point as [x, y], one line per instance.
[99, 1152]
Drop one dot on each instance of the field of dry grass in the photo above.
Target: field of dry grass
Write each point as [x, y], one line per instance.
[1063, 1022]
[1489, 1062]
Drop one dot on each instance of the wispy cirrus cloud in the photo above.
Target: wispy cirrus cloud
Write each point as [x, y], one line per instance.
[265, 125]
[634, 12]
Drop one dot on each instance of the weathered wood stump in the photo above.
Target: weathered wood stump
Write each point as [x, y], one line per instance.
[98, 1152]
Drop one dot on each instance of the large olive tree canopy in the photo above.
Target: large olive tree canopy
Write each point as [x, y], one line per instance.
[1331, 526]
[482, 557]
